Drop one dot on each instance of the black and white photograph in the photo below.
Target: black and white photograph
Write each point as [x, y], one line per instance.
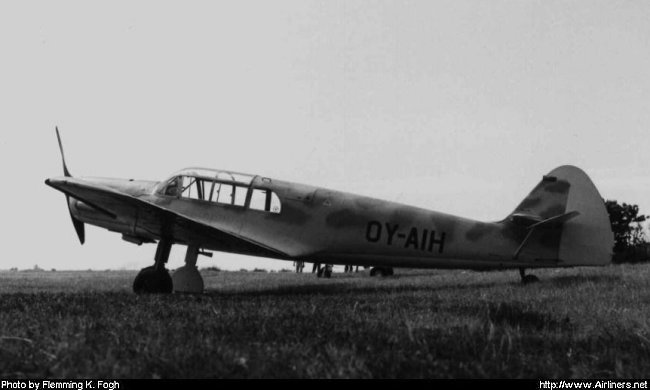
[306, 189]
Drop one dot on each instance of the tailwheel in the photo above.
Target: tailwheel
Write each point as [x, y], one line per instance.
[526, 279]
[152, 280]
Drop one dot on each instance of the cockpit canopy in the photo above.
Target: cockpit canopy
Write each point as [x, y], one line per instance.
[214, 174]
[220, 188]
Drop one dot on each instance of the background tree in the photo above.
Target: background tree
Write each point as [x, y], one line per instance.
[627, 227]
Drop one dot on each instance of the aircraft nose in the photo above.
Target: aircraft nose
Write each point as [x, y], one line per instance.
[55, 181]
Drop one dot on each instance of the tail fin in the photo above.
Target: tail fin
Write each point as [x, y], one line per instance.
[566, 219]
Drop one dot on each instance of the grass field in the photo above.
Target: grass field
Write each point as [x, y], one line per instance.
[585, 323]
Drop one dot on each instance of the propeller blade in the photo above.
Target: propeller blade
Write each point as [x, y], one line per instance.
[66, 173]
[79, 226]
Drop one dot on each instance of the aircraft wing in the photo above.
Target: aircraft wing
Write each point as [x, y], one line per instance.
[158, 220]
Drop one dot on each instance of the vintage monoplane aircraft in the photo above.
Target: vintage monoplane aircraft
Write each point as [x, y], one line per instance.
[561, 223]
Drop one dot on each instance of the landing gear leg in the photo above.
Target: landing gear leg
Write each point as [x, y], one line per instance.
[526, 279]
[155, 279]
[324, 271]
[187, 279]
[327, 272]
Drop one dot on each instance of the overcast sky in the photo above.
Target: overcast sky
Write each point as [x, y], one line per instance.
[455, 106]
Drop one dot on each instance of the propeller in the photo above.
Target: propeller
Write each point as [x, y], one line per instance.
[79, 226]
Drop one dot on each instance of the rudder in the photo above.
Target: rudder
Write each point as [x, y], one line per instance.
[587, 239]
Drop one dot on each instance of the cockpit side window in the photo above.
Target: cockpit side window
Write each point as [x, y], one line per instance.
[196, 188]
[172, 188]
[229, 194]
[225, 193]
[265, 200]
[209, 190]
[239, 197]
[190, 188]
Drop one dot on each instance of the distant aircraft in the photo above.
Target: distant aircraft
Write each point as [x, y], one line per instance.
[561, 223]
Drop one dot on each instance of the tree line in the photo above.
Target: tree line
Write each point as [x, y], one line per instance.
[630, 241]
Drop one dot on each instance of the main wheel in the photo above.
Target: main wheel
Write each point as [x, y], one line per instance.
[153, 281]
[187, 279]
[529, 279]
[377, 271]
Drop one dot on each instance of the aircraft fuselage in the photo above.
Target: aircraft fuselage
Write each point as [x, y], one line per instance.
[327, 226]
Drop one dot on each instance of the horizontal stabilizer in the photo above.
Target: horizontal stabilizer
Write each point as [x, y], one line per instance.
[548, 222]
[525, 219]
[556, 220]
